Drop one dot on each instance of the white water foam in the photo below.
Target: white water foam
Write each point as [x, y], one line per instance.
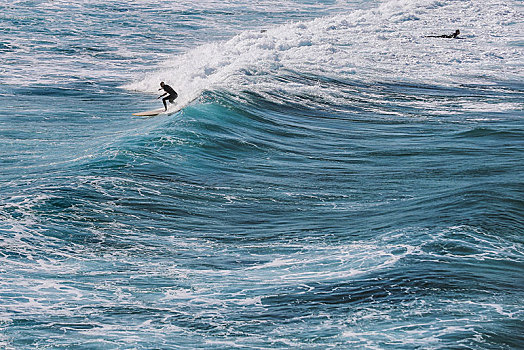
[386, 43]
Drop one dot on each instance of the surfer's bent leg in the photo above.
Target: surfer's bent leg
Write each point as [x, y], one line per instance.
[173, 96]
[170, 98]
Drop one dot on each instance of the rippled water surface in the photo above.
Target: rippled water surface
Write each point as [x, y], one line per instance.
[334, 179]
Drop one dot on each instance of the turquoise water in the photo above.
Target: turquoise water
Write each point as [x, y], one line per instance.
[334, 179]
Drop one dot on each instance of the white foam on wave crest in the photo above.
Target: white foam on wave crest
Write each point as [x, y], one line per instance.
[56, 42]
[386, 43]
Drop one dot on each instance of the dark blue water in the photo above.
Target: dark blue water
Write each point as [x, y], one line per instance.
[317, 190]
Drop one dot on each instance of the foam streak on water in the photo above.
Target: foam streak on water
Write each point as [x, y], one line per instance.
[335, 179]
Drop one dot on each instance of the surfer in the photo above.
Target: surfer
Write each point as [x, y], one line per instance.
[450, 36]
[170, 92]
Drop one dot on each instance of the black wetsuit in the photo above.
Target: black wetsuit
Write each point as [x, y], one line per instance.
[172, 95]
[450, 36]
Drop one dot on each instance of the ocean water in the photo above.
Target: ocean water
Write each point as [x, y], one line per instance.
[334, 180]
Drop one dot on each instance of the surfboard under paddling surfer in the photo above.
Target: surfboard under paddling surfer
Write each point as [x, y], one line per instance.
[170, 92]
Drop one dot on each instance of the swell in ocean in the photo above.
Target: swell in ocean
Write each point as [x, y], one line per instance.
[332, 182]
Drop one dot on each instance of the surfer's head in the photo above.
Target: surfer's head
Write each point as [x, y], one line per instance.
[457, 32]
[162, 84]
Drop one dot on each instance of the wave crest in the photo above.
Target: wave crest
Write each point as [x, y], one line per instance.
[380, 44]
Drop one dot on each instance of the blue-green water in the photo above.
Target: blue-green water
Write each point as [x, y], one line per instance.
[334, 179]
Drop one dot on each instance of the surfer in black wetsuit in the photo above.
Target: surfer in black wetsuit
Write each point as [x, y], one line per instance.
[170, 92]
[450, 36]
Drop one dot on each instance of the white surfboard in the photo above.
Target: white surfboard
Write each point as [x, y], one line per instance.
[171, 109]
[150, 113]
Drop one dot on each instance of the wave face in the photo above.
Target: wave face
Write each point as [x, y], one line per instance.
[336, 178]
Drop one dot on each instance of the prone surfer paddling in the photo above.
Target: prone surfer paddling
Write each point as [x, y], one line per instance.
[450, 36]
[170, 92]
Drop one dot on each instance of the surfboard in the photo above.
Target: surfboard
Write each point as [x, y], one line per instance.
[171, 109]
[150, 113]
